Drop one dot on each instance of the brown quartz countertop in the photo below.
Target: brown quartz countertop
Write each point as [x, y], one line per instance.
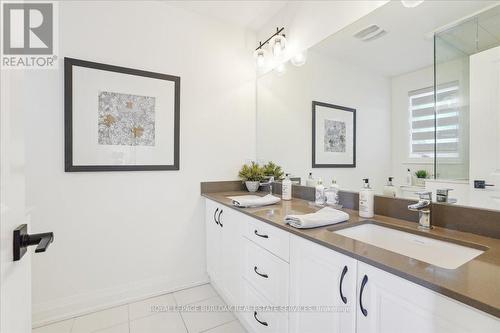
[475, 283]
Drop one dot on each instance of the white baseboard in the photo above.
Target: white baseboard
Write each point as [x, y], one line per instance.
[85, 303]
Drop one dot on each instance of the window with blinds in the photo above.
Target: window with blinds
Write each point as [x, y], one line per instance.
[421, 107]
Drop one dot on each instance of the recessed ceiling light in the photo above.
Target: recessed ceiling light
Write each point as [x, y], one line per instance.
[411, 3]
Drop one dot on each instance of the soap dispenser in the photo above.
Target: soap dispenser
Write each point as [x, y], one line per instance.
[332, 194]
[390, 189]
[366, 200]
[409, 178]
[310, 181]
[320, 193]
[286, 188]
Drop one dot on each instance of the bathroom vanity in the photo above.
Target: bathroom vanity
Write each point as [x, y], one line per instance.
[318, 280]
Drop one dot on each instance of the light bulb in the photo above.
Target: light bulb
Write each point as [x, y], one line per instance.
[260, 60]
[299, 59]
[278, 44]
[411, 3]
[260, 57]
[277, 49]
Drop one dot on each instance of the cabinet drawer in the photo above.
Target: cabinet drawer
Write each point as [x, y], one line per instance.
[271, 238]
[261, 321]
[268, 274]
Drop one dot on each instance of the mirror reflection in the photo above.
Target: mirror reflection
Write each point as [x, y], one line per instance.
[414, 89]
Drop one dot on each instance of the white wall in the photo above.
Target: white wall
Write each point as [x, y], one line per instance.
[309, 22]
[284, 119]
[122, 235]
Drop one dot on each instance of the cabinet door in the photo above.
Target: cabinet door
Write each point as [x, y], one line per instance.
[214, 237]
[390, 304]
[231, 253]
[320, 277]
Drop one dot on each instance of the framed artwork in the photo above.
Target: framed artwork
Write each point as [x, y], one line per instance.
[333, 136]
[119, 119]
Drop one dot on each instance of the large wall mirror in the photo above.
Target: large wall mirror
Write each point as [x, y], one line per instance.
[424, 84]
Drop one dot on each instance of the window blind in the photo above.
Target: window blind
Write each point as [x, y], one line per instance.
[421, 109]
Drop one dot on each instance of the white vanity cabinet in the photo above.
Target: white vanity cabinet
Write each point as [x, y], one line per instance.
[390, 304]
[224, 250]
[253, 263]
[321, 277]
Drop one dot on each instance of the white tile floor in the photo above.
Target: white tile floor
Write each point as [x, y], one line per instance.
[139, 318]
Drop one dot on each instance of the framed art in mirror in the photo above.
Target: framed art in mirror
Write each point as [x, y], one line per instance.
[333, 136]
[119, 119]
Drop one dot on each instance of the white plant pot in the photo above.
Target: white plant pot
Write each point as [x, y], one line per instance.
[420, 181]
[252, 186]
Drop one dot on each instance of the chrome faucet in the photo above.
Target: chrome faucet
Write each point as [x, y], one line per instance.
[423, 207]
[270, 184]
[442, 195]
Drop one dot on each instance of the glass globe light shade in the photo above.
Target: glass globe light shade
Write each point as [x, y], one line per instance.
[260, 57]
[278, 45]
[280, 69]
[299, 59]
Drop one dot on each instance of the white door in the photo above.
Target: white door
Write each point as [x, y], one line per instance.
[485, 126]
[320, 277]
[390, 304]
[15, 280]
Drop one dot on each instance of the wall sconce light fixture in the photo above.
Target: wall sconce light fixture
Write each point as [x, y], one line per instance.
[277, 43]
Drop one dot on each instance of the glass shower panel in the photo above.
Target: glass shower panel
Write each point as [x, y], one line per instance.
[452, 111]
[452, 50]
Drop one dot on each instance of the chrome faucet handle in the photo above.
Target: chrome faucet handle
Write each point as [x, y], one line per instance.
[425, 195]
[442, 195]
[424, 202]
[269, 183]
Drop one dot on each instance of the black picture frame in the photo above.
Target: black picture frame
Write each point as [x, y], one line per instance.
[69, 63]
[337, 107]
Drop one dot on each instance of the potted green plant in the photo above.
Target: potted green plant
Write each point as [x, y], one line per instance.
[252, 175]
[273, 170]
[422, 175]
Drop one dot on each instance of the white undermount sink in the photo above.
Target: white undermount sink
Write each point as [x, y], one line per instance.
[435, 252]
[246, 197]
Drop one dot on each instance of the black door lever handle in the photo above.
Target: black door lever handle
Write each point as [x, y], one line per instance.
[22, 240]
[41, 240]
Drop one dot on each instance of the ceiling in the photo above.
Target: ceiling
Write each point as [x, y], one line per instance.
[407, 46]
[251, 15]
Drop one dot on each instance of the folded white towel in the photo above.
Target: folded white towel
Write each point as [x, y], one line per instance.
[324, 216]
[254, 201]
